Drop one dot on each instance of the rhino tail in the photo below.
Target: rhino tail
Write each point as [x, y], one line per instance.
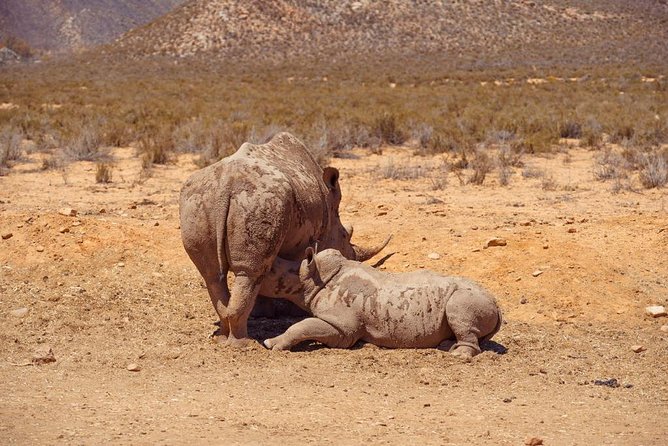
[221, 239]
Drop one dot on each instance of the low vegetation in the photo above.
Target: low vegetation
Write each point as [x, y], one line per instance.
[163, 108]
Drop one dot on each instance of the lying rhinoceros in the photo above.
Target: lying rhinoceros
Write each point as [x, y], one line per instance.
[352, 301]
[254, 213]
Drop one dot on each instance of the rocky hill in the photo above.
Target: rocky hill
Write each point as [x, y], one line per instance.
[65, 25]
[499, 32]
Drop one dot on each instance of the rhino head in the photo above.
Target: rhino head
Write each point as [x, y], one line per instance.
[316, 271]
[337, 236]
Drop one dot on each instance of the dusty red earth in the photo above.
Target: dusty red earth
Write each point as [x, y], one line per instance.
[108, 289]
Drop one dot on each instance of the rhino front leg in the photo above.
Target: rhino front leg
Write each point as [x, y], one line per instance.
[311, 329]
[242, 299]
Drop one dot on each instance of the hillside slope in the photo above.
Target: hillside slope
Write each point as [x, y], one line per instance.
[65, 25]
[499, 32]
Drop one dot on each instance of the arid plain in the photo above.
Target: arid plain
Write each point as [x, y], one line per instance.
[113, 287]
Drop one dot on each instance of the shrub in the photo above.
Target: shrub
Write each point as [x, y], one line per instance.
[610, 165]
[405, 171]
[51, 162]
[481, 165]
[592, 135]
[85, 144]
[10, 146]
[387, 128]
[189, 136]
[570, 129]
[155, 147]
[654, 171]
[548, 183]
[532, 172]
[102, 173]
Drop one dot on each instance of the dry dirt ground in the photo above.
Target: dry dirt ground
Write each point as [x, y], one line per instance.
[107, 289]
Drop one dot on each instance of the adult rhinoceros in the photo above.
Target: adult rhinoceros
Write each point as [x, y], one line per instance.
[254, 213]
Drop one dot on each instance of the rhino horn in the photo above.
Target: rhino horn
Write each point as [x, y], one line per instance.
[362, 254]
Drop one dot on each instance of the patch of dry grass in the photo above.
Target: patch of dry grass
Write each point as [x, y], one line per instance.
[103, 173]
[10, 147]
[162, 107]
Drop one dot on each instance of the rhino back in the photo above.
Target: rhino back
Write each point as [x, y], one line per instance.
[269, 198]
[285, 171]
[395, 310]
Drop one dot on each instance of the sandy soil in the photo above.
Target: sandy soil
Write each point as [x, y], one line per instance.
[107, 289]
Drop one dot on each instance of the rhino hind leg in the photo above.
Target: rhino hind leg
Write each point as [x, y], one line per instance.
[242, 299]
[220, 296]
[310, 329]
[467, 315]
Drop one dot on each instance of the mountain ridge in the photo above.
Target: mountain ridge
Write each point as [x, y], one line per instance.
[70, 25]
[537, 31]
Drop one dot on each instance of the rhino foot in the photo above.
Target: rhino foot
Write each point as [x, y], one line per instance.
[464, 351]
[218, 339]
[274, 344]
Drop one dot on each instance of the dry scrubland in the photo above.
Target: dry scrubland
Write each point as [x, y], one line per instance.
[76, 112]
[568, 166]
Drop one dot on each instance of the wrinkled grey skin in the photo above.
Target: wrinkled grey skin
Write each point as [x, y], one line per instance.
[254, 213]
[351, 301]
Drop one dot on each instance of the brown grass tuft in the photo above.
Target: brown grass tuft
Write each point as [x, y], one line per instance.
[103, 173]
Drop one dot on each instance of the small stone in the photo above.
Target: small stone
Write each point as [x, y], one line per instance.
[664, 328]
[474, 228]
[495, 241]
[156, 224]
[43, 355]
[19, 312]
[525, 223]
[40, 248]
[133, 367]
[64, 230]
[572, 230]
[524, 300]
[381, 213]
[132, 206]
[638, 348]
[546, 246]
[434, 256]
[120, 265]
[68, 212]
[533, 441]
[102, 211]
[537, 273]
[7, 235]
[656, 311]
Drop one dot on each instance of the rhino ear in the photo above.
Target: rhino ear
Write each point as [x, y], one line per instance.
[308, 266]
[310, 256]
[331, 177]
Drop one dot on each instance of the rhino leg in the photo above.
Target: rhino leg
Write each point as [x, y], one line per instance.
[216, 285]
[242, 299]
[464, 319]
[311, 329]
[220, 296]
